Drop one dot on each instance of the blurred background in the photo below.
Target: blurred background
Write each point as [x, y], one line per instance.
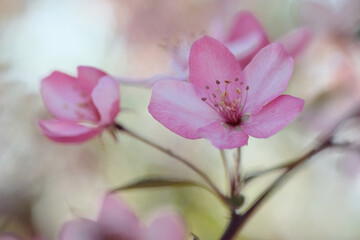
[43, 184]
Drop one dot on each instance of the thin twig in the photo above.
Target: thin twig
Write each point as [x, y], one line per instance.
[237, 174]
[175, 156]
[228, 175]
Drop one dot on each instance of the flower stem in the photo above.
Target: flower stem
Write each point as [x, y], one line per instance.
[238, 221]
[237, 173]
[177, 157]
[227, 170]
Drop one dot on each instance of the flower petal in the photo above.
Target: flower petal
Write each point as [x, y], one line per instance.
[247, 29]
[178, 106]
[81, 229]
[224, 137]
[8, 236]
[65, 98]
[274, 116]
[150, 81]
[89, 77]
[118, 220]
[67, 132]
[296, 41]
[106, 97]
[165, 227]
[210, 60]
[267, 76]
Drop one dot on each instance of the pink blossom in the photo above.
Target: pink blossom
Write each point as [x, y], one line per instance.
[116, 222]
[81, 106]
[245, 37]
[223, 103]
[338, 18]
[8, 236]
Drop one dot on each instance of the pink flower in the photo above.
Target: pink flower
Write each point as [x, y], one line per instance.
[223, 103]
[116, 222]
[82, 106]
[245, 37]
[337, 18]
[10, 236]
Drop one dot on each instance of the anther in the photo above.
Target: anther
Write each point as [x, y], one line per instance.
[247, 88]
[241, 83]
[207, 87]
[236, 79]
[204, 99]
[227, 82]
[217, 82]
[214, 95]
[238, 91]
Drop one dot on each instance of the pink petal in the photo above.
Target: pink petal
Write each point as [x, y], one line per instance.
[66, 99]
[178, 106]
[82, 229]
[167, 226]
[246, 28]
[89, 77]
[224, 137]
[8, 236]
[106, 97]
[275, 115]
[267, 76]
[150, 81]
[118, 220]
[67, 132]
[296, 41]
[209, 61]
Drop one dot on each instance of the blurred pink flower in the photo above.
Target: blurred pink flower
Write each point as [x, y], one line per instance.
[116, 221]
[340, 18]
[82, 107]
[245, 37]
[10, 236]
[223, 103]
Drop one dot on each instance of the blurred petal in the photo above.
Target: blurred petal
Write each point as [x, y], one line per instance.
[210, 60]
[178, 106]
[8, 236]
[81, 230]
[224, 137]
[247, 29]
[296, 41]
[106, 98]
[275, 115]
[117, 219]
[267, 76]
[165, 227]
[65, 98]
[67, 132]
[89, 77]
[149, 82]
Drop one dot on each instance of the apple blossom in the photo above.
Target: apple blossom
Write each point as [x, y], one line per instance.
[245, 37]
[81, 107]
[116, 222]
[223, 103]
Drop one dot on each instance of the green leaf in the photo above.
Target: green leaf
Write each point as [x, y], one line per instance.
[153, 182]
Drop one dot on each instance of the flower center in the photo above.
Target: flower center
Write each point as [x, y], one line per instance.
[229, 107]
